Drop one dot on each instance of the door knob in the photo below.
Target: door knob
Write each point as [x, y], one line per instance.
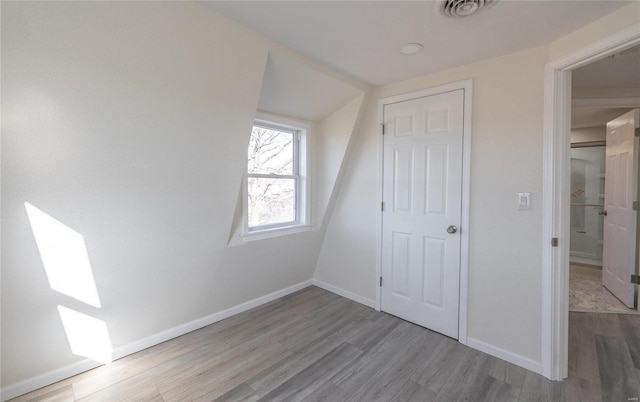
[452, 229]
[602, 212]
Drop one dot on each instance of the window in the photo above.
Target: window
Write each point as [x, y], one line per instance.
[275, 185]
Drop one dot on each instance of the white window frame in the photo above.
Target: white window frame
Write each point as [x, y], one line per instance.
[300, 172]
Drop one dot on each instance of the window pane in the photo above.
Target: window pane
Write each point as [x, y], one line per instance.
[271, 201]
[270, 151]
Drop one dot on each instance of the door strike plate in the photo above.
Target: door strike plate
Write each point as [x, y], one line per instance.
[635, 279]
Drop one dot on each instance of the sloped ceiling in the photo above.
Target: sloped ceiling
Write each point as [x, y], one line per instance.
[295, 89]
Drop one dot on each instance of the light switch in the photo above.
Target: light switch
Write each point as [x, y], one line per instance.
[524, 201]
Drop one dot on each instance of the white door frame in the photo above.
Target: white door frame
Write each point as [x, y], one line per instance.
[467, 86]
[556, 182]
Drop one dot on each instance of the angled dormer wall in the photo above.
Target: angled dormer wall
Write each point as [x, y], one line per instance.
[127, 124]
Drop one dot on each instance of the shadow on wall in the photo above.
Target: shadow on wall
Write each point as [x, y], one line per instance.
[66, 263]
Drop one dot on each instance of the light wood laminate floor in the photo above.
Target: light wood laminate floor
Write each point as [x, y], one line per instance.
[314, 345]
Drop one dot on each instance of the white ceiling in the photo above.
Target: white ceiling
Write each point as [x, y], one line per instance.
[362, 38]
[614, 77]
[621, 70]
[594, 116]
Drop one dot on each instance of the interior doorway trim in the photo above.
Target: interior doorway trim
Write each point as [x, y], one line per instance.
[556, 182]
[467, 87]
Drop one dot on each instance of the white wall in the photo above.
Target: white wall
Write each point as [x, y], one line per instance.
[128, 123]
[331, 145]
[133, 134]
[506, 158]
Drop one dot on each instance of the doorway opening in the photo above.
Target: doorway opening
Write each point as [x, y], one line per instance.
[597, 93]
[557, 188]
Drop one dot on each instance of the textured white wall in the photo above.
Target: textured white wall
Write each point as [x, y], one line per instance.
[128, 123]
[506, 158]
[335, 132]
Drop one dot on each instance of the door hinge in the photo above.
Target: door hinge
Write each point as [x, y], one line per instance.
[554, 242]
[382, 127]
[382, 206]
[380, 281]
[637, 132]
[635, 205]
[634, 279]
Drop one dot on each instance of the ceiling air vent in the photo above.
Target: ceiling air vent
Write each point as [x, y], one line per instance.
[460, 8]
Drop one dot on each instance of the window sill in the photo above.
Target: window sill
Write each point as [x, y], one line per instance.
[274, 232]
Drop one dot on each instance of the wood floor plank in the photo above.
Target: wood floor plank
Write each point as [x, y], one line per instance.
[619, 379]
[583, 349]
[579, 389]
[223, 334]
[327, 392]
[308, 380]
[535, 388]
[299, 359]
[322, 324]
[492, 389]
[149, 393]
[210, 381]
[392, 375]
[61, 394]
[608, 325]
[360, 371]
[508, 373]
[385, 323]
[313, 345]
[469, 378]
[224, 347]
[413, 392]
[436, 370]
[574, 339]
[630, 325]
[241, 393]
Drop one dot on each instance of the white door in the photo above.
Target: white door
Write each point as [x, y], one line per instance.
[620, 190]
[422, 195]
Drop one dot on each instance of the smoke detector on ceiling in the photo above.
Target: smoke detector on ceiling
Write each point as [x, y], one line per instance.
[460, 8]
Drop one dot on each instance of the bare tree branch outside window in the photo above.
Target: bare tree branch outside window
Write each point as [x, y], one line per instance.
[271, 199]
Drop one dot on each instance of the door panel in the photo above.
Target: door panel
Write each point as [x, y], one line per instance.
[621, 189]
[422, 182]
[402, 180]
[436, 166]
[401, 249]
[434, 268]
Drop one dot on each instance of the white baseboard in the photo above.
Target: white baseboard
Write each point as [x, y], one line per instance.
[62, 373]
[344, 293]
[495, 351]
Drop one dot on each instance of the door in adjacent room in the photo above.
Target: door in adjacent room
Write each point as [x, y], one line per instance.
[620, 193]
[422, 204]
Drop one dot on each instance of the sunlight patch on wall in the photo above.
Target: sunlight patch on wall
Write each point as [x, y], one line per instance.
[66, 262]
[65, 258]
[87, 336]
